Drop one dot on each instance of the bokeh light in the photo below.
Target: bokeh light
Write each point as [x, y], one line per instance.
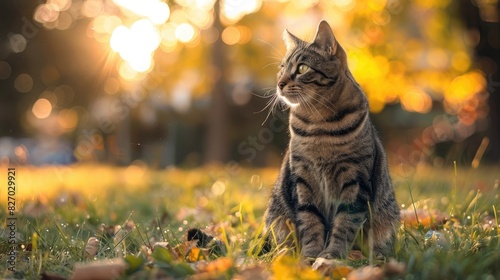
[42, 108]
[136, 44]
[23, 83]
[185, 32]
[156, 11]
[234, 10]
[68, 119]
[5, 70]
[17, 42]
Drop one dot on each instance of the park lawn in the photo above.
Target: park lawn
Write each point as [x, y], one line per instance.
[451, 232]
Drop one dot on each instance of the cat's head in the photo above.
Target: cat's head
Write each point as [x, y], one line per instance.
[309, 71]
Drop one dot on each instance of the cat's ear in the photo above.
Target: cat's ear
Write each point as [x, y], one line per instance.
[291, 41]
[325, 39]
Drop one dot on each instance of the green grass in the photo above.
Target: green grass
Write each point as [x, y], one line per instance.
[62, 207]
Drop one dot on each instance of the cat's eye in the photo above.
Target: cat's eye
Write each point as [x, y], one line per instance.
[303, 68]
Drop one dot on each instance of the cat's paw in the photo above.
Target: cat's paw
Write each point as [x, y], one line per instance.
[321, 262]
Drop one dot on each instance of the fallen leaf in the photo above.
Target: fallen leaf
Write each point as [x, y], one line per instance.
[255, 272]
[366, 273]
[287, 267]
[99, 270]
[331, 267]
[356, 255]
[394, 267]
[91, 248]
[426, 217]
[196, 254]
[220, 264]
[129, 225]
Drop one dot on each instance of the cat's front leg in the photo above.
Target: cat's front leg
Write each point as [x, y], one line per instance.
[348, 221]
[310, 222]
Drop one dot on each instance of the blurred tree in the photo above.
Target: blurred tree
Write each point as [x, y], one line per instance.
[482, 19]
[194, 60]
[217, 141]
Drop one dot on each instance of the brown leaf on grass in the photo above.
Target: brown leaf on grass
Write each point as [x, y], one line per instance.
[91, 248]
[426, 217]
[220, 264]
[394, 267]
[129, 225]
[488, 222]
[356, 255]
[99, 270]
[366, 273]
[196, 254]
[182, 250]
[118, 241]
[146, 251]
[391, 268]
[255, 272]
[211, 270]
[331, 267]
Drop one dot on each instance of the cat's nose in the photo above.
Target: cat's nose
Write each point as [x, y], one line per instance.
[281, 85]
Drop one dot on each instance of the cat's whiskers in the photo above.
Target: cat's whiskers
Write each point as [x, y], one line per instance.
[278, 52]
[271, 104]
[269, 93]
[269, 64]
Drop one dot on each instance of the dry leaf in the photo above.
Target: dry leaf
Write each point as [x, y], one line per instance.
[91, 248]
[366, 273]
[356, 255]
[220, 264]
[118, 240]
[146, 251]
[99, 270]
[426, 217]
[129, 225]
[211, 270]
[394, 267]
[256, 272]
[196, 254]
[333, 267]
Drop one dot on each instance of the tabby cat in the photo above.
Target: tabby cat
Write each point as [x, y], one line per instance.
[334, 180]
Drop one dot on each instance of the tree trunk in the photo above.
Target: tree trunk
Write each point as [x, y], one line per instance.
[217, 136]
[483, 20]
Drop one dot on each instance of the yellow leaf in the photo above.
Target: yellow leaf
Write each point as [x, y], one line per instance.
[219, 265]
[195, 254]
[288, 267]
[340, 271]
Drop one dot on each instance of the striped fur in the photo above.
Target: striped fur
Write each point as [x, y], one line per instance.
[334, 180]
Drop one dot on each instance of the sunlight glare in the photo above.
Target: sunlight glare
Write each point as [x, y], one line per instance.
[185, 32]
[234, 10]
[145, 35]
[156, 11]
[136, 44]
[204, 4]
